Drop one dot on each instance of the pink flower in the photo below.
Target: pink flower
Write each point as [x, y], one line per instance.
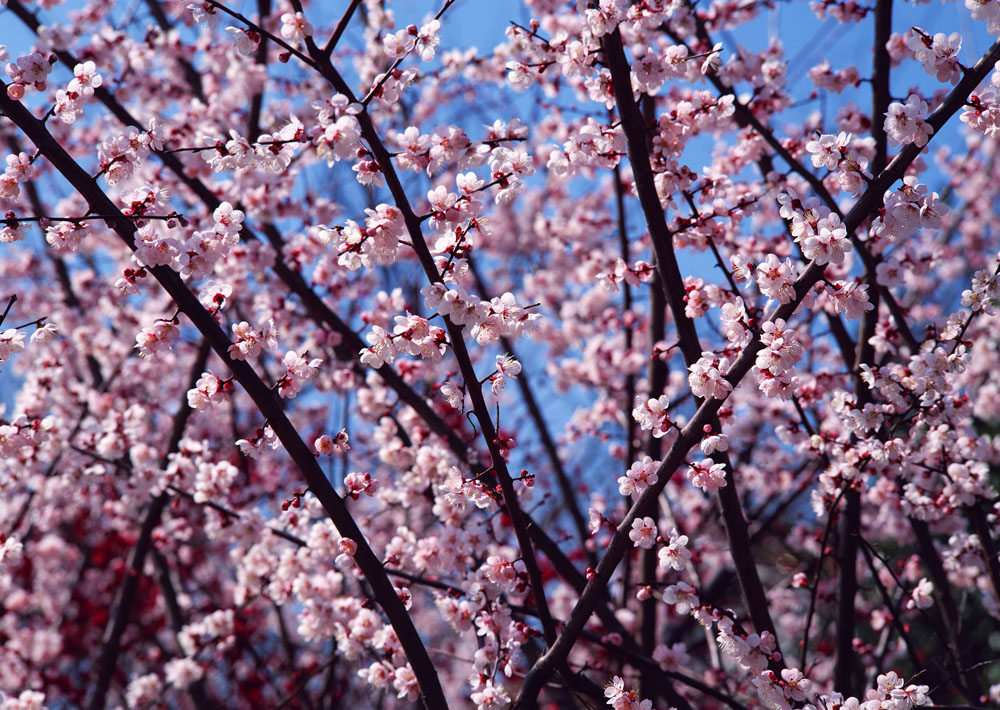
[11, 342]
[904, 123]
[706, 380]
[653, 415]
[851, 299]
[714, 442]
[85, 79]
[675, 555]
[827, 150]
[794, 685]
[10, 553]
[708, 475]
[246, 44]
[427, 40]
[491, 697]
[682, 596]
[19, 167]
[251, 342]
[151, 341]
[938, 54]
[298, 370]
[182, 672]
[357, 483]
[208, 391]
[643, 533]
[228, 221]
[639, 477]
[830, 244]
[673, 658]
[294, 27]
[922, 595]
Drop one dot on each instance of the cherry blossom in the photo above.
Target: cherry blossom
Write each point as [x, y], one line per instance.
[608, 351]
[652, 415]
[182, 672]
[921, 597]
[246, 42]
[829, 245]
[938, 54]
[675, 555]
[643, 533]
[706, 378]
[639, 477]
[708, 475]
[250, 342]
[904, 123]
[295, 27]
[11, 343]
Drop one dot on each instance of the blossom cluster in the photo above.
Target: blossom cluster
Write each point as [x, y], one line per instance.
[276, 438]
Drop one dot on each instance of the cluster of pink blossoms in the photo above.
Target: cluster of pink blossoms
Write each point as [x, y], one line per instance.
[272, 434]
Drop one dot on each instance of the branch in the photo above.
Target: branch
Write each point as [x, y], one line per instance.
[672, 283]
[318, 310]
[744, 116]
[117, 623]
[314, 304]
[62, 272]
[548, 443]
[692, 432]
[518, 519]
[341, 27]
[850, 528]
[259, 57]
[262, 396]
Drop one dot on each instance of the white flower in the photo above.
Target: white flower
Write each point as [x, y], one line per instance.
[294, 27]
[675, 555]
[921, 596]
[182, 672]
[508, 366]
[246, 44]
[643, 532]
[904, 123]
[453, 394]
[830, 244]
[708, 475]
[706, 380]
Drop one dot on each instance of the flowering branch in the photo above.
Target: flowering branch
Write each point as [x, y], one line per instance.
[118, 620]
[264, 399]
[672, 284]
[691, 433]
[413, 227]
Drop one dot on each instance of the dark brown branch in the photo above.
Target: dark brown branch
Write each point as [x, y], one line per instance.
[119, 619]
[413, 227]
[260, 58]
[985, 533]
[844, 679]
[175, 617]
[672, 283]
[658, 376]
[895, 615]
[744, 116]
[191, 75]
[263, 397]
[318, 310]
[338, 32]
[62, 272]
[692, 432]
[630, 440]
[535, 412]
